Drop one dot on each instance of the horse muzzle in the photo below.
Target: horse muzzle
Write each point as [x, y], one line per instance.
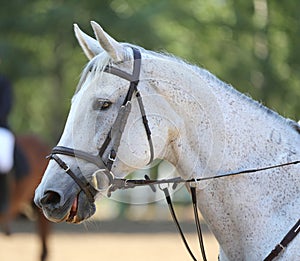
[63, 202]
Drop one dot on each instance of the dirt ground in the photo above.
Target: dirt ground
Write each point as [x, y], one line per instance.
[109, 241]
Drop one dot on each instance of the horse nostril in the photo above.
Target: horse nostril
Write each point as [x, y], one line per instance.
[50, 197]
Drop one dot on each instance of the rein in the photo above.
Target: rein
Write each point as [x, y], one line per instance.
[131, 183]
[113, 138]
[117, 183]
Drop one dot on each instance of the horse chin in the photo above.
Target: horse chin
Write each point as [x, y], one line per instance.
[80, 210]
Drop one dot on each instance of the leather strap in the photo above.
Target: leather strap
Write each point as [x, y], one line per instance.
[118, 127]
[81, 181]
[78, 154]
[172, 211]
[197, 221]
[284, 242]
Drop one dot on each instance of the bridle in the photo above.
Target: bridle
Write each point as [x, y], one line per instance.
[113, 139]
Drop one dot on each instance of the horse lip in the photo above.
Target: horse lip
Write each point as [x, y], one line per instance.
[53, 219]
[53, 214]
[72, 217]
[77, 212]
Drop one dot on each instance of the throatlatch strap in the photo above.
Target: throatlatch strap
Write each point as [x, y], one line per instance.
[169, 201]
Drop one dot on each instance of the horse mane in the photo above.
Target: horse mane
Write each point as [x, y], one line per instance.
[211, 78]
[295, 125]
[215, 80]
[97, 65]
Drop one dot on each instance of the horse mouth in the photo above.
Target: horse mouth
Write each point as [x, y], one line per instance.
[75, 209]
[80, 210]
[72, 217]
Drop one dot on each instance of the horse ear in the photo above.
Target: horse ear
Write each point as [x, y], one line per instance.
[110, 45]
[89, 45]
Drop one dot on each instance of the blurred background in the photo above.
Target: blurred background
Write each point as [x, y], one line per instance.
[253, 45]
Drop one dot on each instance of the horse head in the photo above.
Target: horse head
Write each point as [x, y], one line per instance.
[115, 126]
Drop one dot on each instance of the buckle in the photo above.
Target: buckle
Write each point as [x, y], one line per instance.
[281, 246]
[112, 156]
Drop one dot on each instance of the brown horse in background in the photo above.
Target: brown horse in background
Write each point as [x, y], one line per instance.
[22, 190]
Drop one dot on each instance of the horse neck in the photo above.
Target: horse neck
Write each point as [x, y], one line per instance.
[222, 130]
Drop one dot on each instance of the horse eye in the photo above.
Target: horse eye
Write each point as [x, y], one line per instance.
[100, 104]
[105, 105]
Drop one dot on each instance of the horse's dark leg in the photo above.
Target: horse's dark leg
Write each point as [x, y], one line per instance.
[4, 193]
[44, 227]
[7, 229]
[4, 202]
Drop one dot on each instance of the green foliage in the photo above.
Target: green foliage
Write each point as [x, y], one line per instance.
[252, 45]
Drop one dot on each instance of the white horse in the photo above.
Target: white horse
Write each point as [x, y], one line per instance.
[201, 125]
